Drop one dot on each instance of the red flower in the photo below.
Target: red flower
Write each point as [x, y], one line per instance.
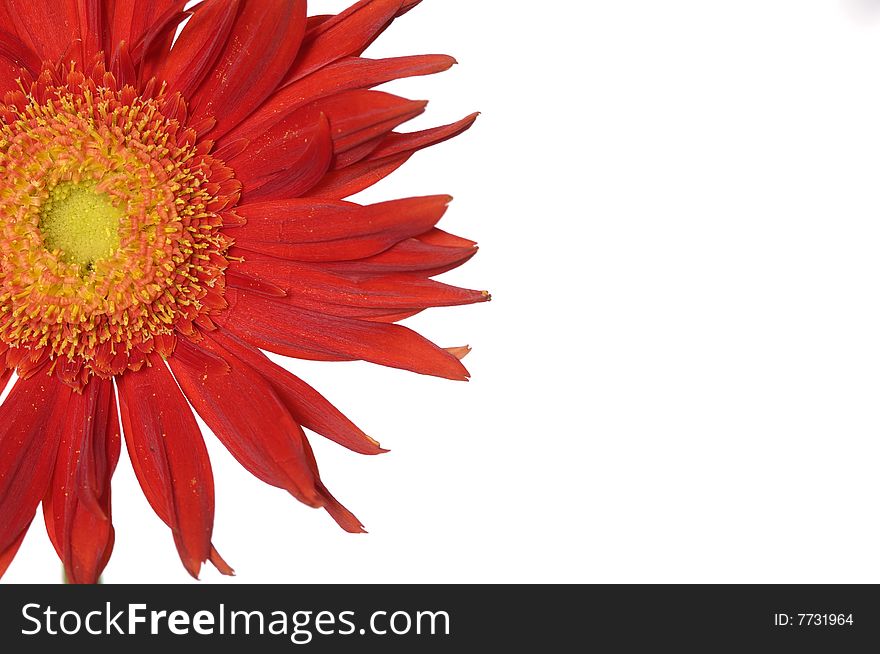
[168, 212]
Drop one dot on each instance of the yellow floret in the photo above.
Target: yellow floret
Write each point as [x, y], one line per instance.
[80, 222]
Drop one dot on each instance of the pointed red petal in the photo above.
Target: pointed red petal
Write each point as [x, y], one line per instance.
[122, 65]
[199, 45]
[169, 458]
[245, 413]
[293, 164]
[77, 507]
[311, 288]
[360, 116]
[345, 34]
[308, 407]
[350, 73]
[222, 566]
[318, 230]
[291, 453]
[387, 157]
[343, 517]
[151, 43]
[130, 19]
[286, 329]
[356, 118]
[410, 256]
[261, 47]
[92, 17]
[396, 144]
[31, 424]
[343, 183]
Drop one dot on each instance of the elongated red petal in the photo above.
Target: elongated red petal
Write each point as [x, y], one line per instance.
[345, 182]
[396, 143]
[389, 155]
[150, 49]
[93, 27]
[283, 451]
[238, 279]
[199, 45]
[345, 75]
[311, 288]
[245, 413]
[308, 407]
[343, 517]
[413, 255]
[15, 56]
[289, 330]
[131, 19]
[31, 424]
[345, 34]
[260, 49]
[291, 166]
[50, 28]
[355, 118]
[318, 230]
[77, 508]
[169, 458]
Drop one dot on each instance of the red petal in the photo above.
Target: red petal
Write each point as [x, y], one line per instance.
[413, 255]
[392, 153]
[15, 56]
[311, 288]
[396, 144]
[308, 407]
[317, 230]
[244, 281]
[221, 565]
[77, 507]
[261, 47]
[150, 49]
[31, 422]
[50, 29]
[353, 179]
[130, 19]
[169, 458]
[355, 118]
[293, 164]
[286, 447]
[288, 330]
[360, 116]
[92, 19]
[122, 65]
[9, 553]
[245, 413]
[199, 45]
[343, 517]
[345, 34]
[350, 73]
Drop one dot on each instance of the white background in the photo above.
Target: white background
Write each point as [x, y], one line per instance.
[679, 377]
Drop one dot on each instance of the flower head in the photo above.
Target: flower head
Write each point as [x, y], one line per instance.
[170, 208]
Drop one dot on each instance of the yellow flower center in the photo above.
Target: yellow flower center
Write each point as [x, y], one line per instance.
[81, 223]
[110, 225]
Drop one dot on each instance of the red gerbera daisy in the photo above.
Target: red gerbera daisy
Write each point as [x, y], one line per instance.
[166, 212]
